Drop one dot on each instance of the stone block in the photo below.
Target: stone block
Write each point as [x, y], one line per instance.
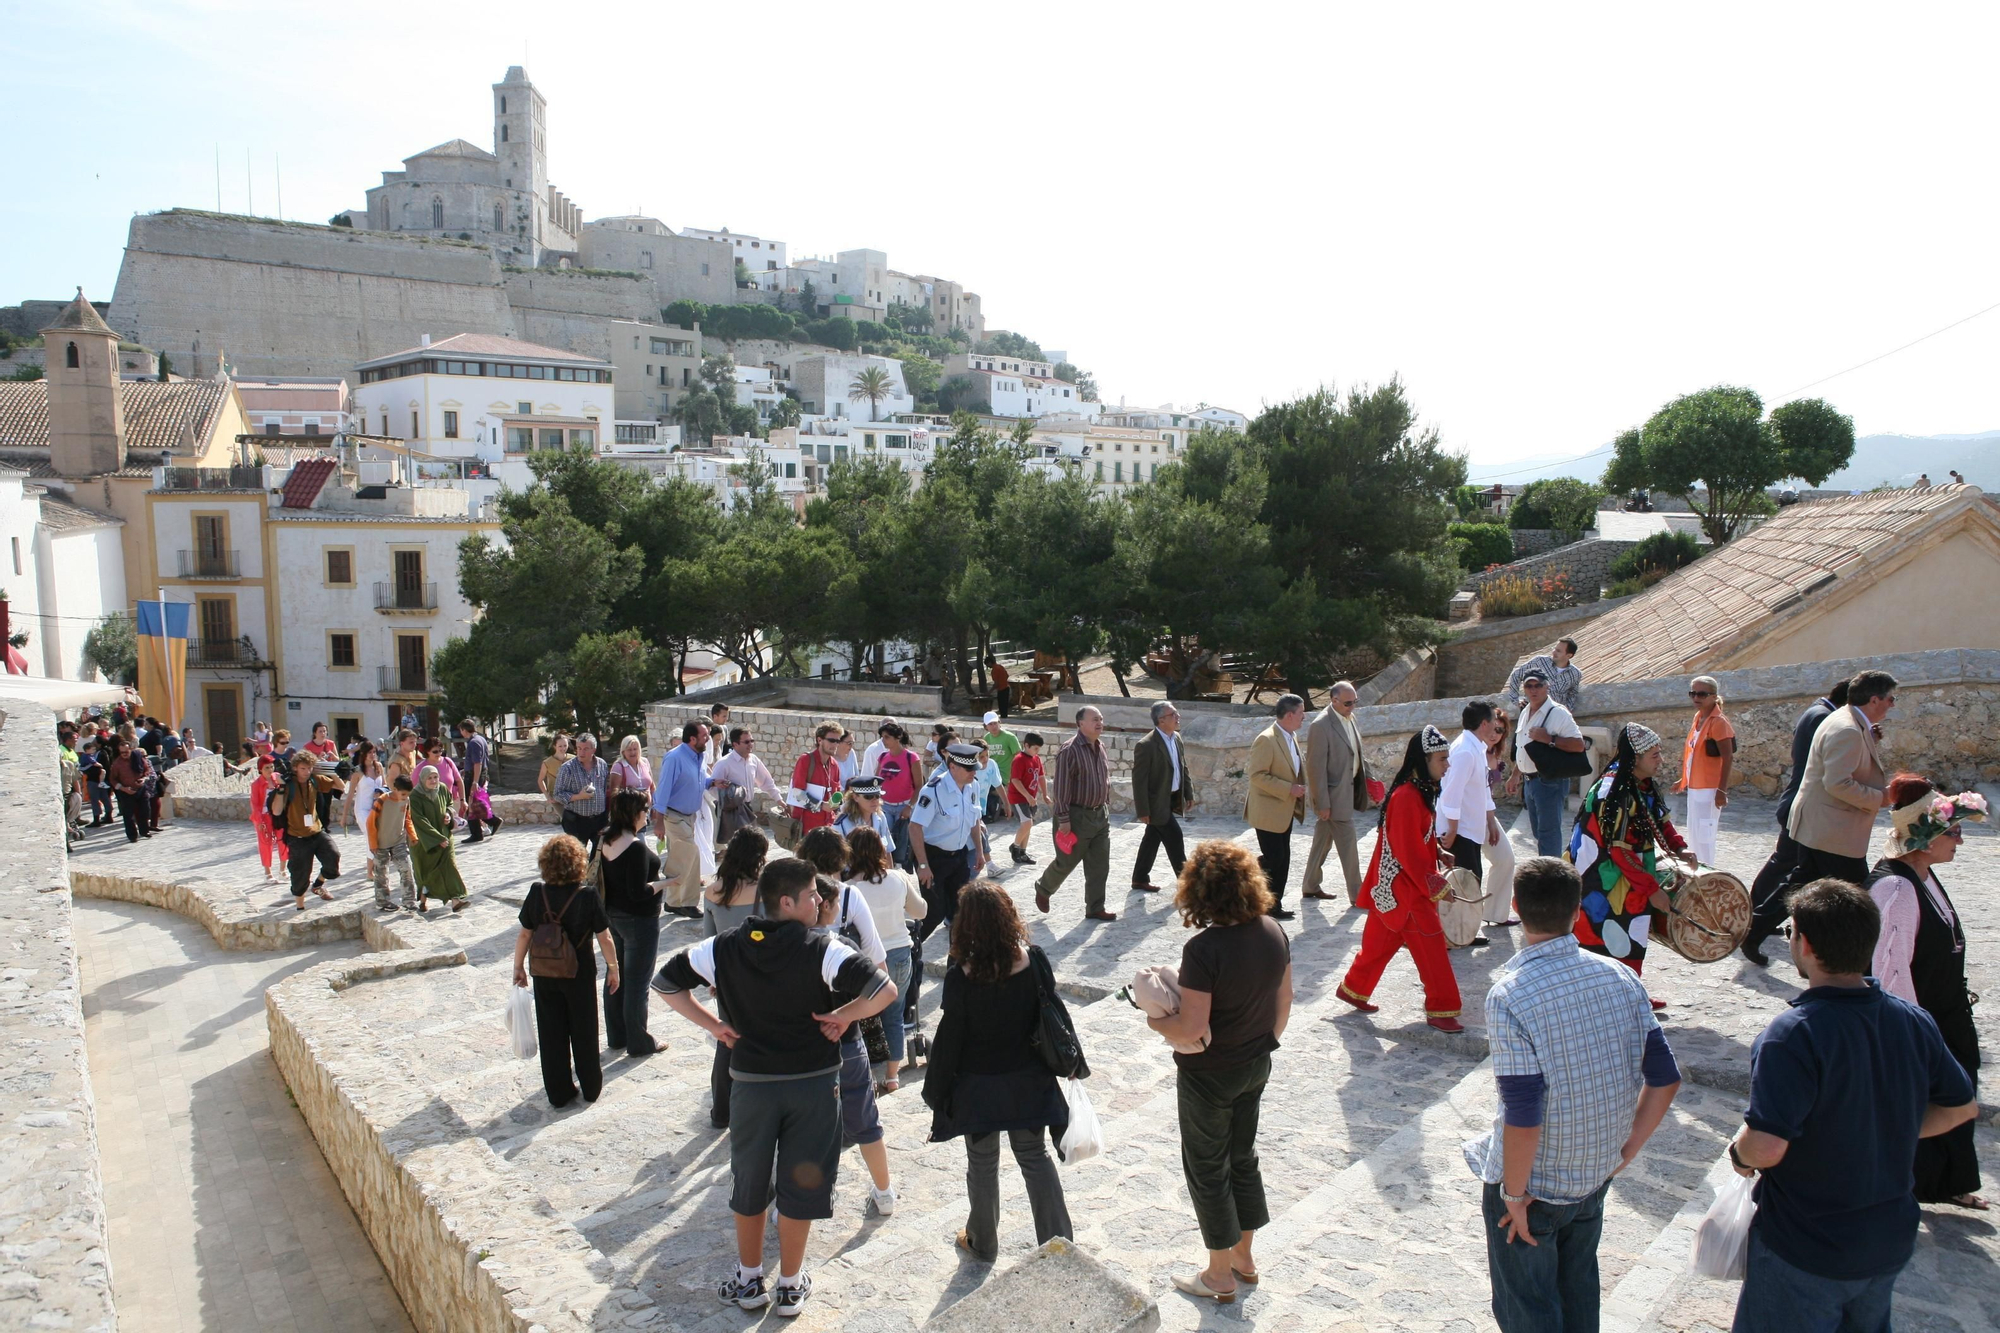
[1059, 1286]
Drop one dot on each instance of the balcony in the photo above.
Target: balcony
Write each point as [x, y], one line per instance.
[209, 565]
[406, 598]
[403, 680]
[236, 652]
[237, 478]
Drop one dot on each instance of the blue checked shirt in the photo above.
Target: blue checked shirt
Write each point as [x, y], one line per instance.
[1581, 1022]
[573, 777]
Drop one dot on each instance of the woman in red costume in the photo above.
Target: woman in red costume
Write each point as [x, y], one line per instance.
[1399, 892]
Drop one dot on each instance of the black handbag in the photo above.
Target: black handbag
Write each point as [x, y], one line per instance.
[1055, 1037]
[1552, 761]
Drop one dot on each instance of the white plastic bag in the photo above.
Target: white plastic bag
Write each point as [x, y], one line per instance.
[1722, 1241]
[1084, 1138]
[521, 1021]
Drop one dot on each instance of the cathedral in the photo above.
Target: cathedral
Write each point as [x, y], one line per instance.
[502, 198]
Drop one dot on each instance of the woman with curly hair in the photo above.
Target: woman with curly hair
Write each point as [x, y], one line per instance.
[566, 1007]
[1619, 835]
[1400, 891]
[1236, 992]
[986, 1074]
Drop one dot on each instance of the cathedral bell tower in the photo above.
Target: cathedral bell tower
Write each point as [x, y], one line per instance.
[86, 405]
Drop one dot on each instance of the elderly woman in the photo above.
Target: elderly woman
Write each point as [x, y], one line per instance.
[631, 770]
[1920, 957]
[1236, 994]
[1398, 890]
[431, 858]
[566, 1007]
[986, 1074]
[1620, 832]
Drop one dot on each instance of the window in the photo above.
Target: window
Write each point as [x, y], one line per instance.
[272, 428]
[340, 652]
[312, 428]
[659, 347]
[69, 357]
[704, 270]
[791, 470]
[340, 566]
[552, 439]
[1117, 472]
[503, 111]
[437, 211]
[416, 428]
[17, 553]
[499, 219]
[450, 424]
[412, 657]
[525, 409]
[385, 421]
[587, 438]
[1100, 469]
[645, 259]
[218, 628]
[520, 439]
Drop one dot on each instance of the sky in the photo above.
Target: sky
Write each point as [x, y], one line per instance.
[1547, 221]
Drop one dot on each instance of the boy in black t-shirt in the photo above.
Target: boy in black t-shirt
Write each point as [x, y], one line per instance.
[780, 982]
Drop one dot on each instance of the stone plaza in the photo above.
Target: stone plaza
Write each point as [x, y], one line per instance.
[478, 1206]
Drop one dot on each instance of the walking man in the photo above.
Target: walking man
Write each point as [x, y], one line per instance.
[677, 799]
[1277, 795]
[1546, 722]
[1466, 818]
[1337, 776]
[790, 992]
[1160, 790]
[1706, 759]
[1843, 789]
[1079, 795]
[1842, 1086]
[477, 771]
[1767, 901]
[1585, 1078]
[580, 791]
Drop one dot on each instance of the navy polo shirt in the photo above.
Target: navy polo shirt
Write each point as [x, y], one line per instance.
[1844, 1077]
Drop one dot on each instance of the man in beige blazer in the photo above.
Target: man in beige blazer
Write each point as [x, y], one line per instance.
[1844, 786]
[1277, 795]
[1337, 779]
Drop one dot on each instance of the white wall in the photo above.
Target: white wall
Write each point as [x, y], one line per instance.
[20, 519]
[82, 578]
[480, 403]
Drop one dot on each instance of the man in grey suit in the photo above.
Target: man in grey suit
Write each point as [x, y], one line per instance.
[1160, 791]
[1337, 781]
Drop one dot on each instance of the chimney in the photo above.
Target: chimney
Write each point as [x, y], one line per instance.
[424, 340]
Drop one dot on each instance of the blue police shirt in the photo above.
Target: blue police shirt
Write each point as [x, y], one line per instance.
[844, 826]
[946, 812]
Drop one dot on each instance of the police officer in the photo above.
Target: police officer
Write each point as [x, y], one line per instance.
[943, 820]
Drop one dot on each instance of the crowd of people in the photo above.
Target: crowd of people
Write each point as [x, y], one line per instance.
[818, 898]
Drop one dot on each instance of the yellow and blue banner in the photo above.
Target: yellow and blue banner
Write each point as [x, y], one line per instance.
[164, 629]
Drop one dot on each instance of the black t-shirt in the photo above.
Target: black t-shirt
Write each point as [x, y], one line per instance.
[1241, 967]
[1002, 1019]
[628, 880]
[581, 920]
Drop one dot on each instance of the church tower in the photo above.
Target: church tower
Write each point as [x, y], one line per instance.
[520, 142]
[86, 405]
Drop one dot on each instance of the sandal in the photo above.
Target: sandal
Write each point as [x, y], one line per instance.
[1972, 1201]
[1194, 1286]
[964, 1242]
[1241, 1276]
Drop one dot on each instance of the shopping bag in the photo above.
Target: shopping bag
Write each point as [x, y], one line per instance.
[1084, 1138]
[521, 1021]
[1722, 1241]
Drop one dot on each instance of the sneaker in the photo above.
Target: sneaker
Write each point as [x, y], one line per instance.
[884, 1200]
[791, 1300]
[748, 1295]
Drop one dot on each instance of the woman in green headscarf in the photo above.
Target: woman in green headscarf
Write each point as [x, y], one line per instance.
[431, 858]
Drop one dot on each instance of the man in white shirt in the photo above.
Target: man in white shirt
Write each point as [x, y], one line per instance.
[873, 754]
[1548, 722]
[1465, 814]
[743, 769]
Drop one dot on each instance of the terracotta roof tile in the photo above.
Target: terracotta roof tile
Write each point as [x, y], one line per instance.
[1701, 613]
[159, 416]
[303, 486]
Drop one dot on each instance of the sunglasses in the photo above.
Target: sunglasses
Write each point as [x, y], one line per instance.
[1699, 694]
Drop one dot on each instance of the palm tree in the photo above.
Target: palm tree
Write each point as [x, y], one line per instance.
[873, 384]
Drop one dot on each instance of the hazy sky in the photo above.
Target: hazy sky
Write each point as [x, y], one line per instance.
[1546, 221]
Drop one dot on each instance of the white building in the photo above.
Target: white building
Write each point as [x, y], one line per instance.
[62, 565]
[305, 405]
[476, 406]
[825, 383]
[727, 467]
[1115, 457]
[652, 366]
[1222, 418]
[759, 254]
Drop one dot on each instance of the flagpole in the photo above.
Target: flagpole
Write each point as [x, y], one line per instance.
[173, 714]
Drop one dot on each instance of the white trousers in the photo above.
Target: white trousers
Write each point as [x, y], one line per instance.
[1498, 878]
[1704, 821]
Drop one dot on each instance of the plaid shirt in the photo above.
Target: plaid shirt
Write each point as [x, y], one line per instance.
[572, 778]
[1565, 682]
[1580, 1021]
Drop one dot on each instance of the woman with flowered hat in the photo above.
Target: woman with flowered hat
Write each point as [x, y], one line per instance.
[1401, 888]
[1620, 833]
[1920, 957]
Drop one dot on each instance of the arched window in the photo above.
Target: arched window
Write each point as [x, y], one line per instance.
[503, 106]
[437, 212]
[69, 357]
[499, 219]
[503, 130]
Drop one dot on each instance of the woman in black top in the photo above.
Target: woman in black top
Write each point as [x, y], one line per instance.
[985, 1073]
[627, 869]
[566, 1008]
[1236, 996]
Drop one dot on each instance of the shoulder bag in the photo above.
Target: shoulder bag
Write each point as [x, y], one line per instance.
[1552, 761]
[1055, 1038]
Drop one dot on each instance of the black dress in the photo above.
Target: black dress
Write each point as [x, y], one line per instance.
[566, 1008]
[1947, 1164]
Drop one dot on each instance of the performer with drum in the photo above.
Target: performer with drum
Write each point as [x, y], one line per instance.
[1401, 888]
[1619, 834]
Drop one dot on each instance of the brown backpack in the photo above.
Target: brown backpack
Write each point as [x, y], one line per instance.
[550, 954]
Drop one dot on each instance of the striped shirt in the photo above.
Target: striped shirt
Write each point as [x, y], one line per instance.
[1565, 682]
[1083, 775]
[573, 777]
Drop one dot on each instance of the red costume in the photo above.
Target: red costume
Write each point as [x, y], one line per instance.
[815, 771]
[1400, 910]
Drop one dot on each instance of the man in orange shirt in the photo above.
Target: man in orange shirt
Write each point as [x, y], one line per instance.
[1706, 759]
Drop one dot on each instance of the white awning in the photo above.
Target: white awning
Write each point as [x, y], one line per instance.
[51, 692]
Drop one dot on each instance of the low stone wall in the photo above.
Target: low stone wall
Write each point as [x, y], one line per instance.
[208, 776]
[1411, 677]
[1535, 541]
[1479, 657]
[55, 1260]
[1587, 563]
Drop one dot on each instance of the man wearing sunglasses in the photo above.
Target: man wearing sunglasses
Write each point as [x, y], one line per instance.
[1706, 759]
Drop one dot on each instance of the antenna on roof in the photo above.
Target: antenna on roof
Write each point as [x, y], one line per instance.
[278, 170]
[218, 177]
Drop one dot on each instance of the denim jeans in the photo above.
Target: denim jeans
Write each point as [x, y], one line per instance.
[1778, 1298]
[1551, 1286]
[892, 1017]
[636, 939]
[1544, 798]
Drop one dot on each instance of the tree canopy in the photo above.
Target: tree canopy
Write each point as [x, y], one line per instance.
[1563, 504]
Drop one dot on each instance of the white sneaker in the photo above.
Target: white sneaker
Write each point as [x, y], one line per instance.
[884, 1200]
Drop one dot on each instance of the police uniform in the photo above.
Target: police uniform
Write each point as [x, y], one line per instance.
[948, 815]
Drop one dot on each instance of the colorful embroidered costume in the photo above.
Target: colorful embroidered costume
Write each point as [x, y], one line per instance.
[1401, 913]
[1613, 846]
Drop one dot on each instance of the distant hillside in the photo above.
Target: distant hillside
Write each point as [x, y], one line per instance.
[1894, 459]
